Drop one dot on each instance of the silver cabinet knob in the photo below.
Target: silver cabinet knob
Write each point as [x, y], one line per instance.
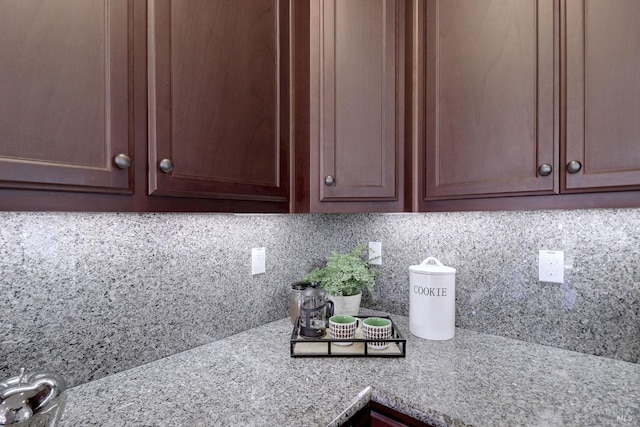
[122, 161]
[574, 166]
[166, 165]
[545, 169]
[329, 180]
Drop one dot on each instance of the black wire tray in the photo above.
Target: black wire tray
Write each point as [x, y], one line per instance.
[326, 347]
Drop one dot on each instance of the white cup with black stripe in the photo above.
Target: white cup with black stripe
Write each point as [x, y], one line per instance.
[377, 328]
[343, 327]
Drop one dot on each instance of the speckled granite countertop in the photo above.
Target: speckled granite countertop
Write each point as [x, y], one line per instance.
[249, 379]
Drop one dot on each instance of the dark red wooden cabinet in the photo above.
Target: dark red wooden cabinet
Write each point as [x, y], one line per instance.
[205, 84]
[355, 104]
[320, 105]
[601, 59]
[219, 90]
[65, 95]
[490, 106]
[375, 414]
[527, 98]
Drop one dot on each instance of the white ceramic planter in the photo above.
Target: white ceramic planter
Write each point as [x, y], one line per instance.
[346, 305]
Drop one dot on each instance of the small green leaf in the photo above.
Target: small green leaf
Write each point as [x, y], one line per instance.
[345, 274]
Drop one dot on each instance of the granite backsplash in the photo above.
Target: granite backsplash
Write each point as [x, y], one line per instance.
[91, 294]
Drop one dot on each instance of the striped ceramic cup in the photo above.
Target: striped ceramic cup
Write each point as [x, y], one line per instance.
[376, 328]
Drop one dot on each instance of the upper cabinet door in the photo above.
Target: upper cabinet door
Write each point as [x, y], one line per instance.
[490, 115]
[64, 95]
[602, 78]
[219, 98]
[356, 103]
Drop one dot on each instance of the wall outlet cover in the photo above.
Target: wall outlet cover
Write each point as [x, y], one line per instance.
[551, 266]
[258, 260]
[375, 251]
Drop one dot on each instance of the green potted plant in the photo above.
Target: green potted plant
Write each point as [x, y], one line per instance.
[344, 278]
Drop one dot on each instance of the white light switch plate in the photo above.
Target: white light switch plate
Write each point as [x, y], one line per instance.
[551, 266]
[375, 250]
[258, 260]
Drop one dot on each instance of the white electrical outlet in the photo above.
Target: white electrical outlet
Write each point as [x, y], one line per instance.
[551, 266]
[375, 251]
[258, 260]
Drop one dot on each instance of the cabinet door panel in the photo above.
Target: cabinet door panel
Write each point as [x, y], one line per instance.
[219, 98]
[64, 101]
[603, 93]
[355, 126]
[490, 107]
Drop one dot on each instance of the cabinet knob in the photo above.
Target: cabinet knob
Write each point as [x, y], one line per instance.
[545, 169]
[329, 180]
[122, 161]
[166, 165]
[574, 166]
